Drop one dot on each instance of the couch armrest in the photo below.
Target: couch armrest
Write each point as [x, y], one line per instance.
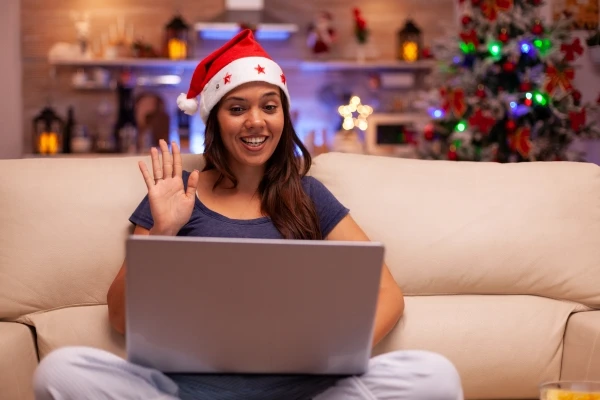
[18, 360]
[581, 352]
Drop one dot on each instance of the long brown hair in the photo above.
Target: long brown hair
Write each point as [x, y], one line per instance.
[282, 196]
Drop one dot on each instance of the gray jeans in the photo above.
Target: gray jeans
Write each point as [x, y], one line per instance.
[81, 373]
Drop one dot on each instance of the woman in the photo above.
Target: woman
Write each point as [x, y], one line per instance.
[253, 185]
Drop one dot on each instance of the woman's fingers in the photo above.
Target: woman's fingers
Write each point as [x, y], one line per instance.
[167, 160]
[177, 167]
[146, 174]
[156, 167]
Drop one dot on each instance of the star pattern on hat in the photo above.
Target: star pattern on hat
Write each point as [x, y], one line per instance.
[259, 69]
[283, 78]
[227, 78]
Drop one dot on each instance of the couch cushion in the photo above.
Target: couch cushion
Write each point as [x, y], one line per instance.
[477, 228]
[581, 356]
[18, 360]
[75, 326]
[63, 227]
[491, 340]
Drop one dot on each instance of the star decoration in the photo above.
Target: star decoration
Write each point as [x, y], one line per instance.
[482, 121]
[227, 78]
[259, 69]
[363, 111]
[283, 78]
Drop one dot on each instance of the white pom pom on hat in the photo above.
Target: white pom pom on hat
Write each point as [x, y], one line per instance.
[188, 106]
[239, 61]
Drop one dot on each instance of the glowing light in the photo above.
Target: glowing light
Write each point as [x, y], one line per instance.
[513, 104]
[461, 126]
[355, 106]
[525, 48]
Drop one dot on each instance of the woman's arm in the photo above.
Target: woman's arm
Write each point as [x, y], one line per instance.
[390, 304]
[116, 293]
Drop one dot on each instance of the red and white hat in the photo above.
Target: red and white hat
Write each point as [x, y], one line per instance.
[239, 61]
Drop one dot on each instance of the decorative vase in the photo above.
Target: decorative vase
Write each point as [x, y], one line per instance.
[361, 52]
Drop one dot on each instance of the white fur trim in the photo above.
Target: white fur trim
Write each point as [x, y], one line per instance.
[242, 70]
[188, 106]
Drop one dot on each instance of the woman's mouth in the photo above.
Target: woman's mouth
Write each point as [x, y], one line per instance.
[254, 143]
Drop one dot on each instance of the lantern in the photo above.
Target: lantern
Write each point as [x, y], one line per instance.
[47, 132]
[409, 42]
[177, 39]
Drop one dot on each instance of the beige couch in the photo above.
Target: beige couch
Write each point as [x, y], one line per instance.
[500, 263]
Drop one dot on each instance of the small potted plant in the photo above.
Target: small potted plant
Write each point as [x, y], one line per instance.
[593, 43]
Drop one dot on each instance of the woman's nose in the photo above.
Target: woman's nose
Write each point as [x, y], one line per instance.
[255, 120]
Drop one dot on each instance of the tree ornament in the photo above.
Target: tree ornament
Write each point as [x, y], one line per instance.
[482, 121]
[556, 78]
[537, 28]
[429, 132]
[509, 66]
[480, 92]
[520, 141]
[452, 155]
[454, 100]
[576, 96]
[570, 50]
[525, 86]
[577, 119]
[510, 125]
[466, 20]
[503, 36]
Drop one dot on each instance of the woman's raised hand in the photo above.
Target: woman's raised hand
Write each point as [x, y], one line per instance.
[170, 204]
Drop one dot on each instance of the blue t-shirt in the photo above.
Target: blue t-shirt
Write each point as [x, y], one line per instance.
[207, 223]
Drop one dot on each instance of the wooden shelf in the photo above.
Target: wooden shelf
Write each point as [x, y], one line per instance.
[307, 65]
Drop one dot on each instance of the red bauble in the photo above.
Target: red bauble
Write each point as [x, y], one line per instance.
[510, 125]
[426, 53]
[480, 92]
[525, 86]
[466, 20]
[576, 96]
[537, 29]
[508, 66]
[452, 155]
[503, 36]
[429, 132]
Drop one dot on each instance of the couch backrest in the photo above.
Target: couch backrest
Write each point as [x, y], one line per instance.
[477, 228]
[63, 224]
[448, 227]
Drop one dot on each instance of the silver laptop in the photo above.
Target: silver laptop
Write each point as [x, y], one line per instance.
[206, 305]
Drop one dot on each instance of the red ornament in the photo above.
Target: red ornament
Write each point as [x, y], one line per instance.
[480, 92]
[537, 29]
[491, 8]
[525, 86]
[510, 126]
[509, 66]
[577, 119]
[452, 155]
[466, 20]
[503, 36]
[528, 102]
[429, 132]
[482, 121]
[576, 96]
[571, 49]
[426, 53]
[520, 141]
[454, 100]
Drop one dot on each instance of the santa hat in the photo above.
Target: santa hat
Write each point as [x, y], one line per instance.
[239, 61]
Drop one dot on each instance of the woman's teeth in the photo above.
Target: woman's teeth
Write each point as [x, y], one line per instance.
[254, 142]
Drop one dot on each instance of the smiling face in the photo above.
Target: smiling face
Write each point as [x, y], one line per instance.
[251, 120]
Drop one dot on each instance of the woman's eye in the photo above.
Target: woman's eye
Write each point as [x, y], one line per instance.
[271, 108]
[236, 109]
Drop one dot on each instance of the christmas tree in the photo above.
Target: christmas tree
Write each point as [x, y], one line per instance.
[503, 91]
